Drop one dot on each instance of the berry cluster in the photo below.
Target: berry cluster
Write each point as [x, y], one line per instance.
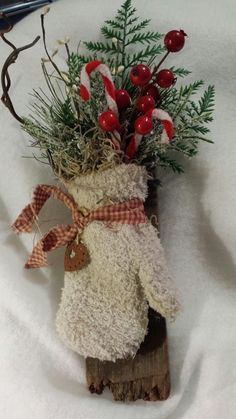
[148, 83]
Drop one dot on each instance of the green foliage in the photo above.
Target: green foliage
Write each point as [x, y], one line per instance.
[190, 120]
[180, 72]
[66, 129]
[75, 63]
[124, 34]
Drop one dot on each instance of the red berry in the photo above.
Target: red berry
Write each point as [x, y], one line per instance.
[143, 125]
[122, 98]
[165, 78]
[140, 75]
[108, 121]
[174, 40]
[152, 90]
[145, 103]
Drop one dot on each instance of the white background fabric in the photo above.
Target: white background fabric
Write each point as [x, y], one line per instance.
[40, 378]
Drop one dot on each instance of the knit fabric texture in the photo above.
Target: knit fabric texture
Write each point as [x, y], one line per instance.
[103, 311]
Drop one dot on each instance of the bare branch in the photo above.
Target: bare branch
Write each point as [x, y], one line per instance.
[11, 59]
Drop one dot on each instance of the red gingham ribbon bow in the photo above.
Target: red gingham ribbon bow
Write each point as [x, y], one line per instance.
[128, 212]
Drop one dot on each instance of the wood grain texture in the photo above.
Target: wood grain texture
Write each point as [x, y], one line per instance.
[147, 375]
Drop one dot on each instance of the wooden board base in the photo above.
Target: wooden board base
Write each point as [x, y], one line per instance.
[145, 377]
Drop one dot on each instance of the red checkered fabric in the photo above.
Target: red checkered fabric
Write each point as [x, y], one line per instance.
[128, 212]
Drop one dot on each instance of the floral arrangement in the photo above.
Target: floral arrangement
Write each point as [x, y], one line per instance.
[74, 134]
[108, 119]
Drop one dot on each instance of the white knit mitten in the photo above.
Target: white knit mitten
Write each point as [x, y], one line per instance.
[104, 306]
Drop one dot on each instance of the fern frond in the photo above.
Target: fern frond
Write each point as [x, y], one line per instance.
[115, 24]
[110, 33]
[100, 47]
[180, 72]
[137, 28]
[206, 103]
[143, 38]
[169, 163]
[144, 55]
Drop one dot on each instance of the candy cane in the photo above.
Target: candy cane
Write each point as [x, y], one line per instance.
[166, 136]
[166, 121]
[107, 81]
[85, 91]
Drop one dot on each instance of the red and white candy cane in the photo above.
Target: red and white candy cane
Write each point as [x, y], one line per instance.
[166, 136]
[109, 86]
[107, 81]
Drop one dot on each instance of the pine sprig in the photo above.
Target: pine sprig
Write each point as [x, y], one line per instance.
[101, 47]
[206, 103]
[114, 24]
[185, 93]
[142, 38]
[144, 55]
[75, 63]
[136, 28]
[180, 72]
[167, 162]
[126, 11]
[124, 34]
[110, 33]
[190, 119]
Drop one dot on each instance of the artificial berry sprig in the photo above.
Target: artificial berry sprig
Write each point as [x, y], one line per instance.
[141, 75]
[174, 41]
[145, 103]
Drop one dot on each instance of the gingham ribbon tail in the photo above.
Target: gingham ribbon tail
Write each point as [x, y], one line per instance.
[128, 212]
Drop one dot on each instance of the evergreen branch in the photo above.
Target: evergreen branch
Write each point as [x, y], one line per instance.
[137, 28]
[167, 162]
[206, 103]
[180, 72]
[143, 38]
[199, 129]
[184, 94]
[75, 64]
[187, 152]
[115, 24]
[111, 33]
[101, 47]
[198, 138]
[132, 20]
[143, 55]
[191, 89]
[126, 11]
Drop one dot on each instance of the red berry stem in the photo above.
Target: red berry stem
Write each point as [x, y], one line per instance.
[160, 63]
[153, 74]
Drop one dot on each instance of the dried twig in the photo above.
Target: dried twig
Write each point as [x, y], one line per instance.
[11, 59]
[46, 50]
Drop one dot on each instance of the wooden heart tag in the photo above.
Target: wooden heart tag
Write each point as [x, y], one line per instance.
[76, 257]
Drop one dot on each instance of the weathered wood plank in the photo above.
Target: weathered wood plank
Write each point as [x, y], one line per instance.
[144, 377]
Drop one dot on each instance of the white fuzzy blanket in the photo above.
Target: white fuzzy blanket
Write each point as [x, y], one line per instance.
[40, 378]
